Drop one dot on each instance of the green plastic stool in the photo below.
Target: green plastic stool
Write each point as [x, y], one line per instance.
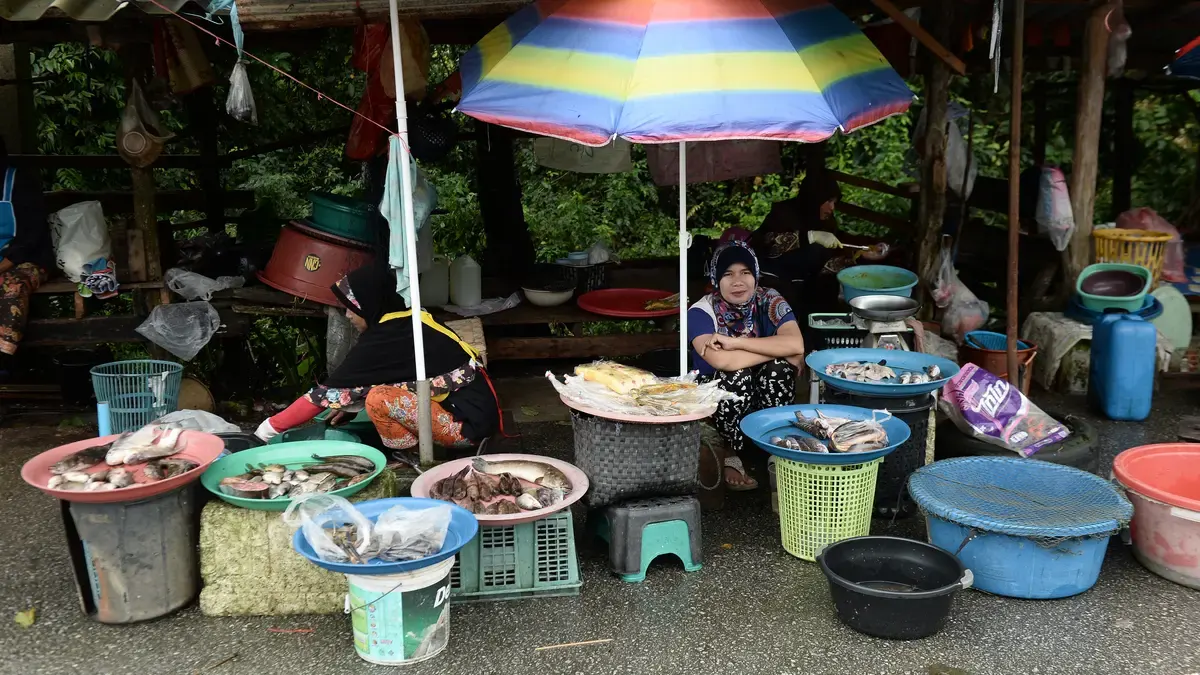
[640, 531]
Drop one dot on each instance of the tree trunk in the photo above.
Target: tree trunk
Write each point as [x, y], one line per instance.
[932, 207]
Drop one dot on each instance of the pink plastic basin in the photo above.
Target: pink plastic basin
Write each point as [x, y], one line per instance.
[1163, 482]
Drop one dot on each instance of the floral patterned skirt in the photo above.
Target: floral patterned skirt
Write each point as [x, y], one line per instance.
[16, 285]
[393, 409]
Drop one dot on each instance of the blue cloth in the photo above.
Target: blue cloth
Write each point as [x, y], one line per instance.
[218, 5]
[8, 216]
[392, 208]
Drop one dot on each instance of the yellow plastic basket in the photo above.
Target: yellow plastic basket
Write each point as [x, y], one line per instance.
[821, 504]
[1135, 247]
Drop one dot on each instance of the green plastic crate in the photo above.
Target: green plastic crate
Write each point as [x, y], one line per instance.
[510, 562]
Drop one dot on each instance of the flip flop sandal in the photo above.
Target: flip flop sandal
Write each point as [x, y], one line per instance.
[734, 462]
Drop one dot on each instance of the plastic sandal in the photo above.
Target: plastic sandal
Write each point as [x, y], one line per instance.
[734, 462]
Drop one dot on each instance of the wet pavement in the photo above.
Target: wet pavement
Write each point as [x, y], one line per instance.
[752, 609]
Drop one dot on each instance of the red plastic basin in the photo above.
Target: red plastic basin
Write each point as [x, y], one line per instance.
[1163, 482]
[1167, 472]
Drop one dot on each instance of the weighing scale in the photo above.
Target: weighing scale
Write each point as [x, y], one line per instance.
[882, 316]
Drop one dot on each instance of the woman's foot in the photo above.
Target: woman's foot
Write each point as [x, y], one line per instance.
[736, 478]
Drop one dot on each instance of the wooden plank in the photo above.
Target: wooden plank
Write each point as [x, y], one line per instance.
[859, 181]
[501, 349]
[526, 314]
[99, 329]
[914, 29]
[121, 201]
[1012, 303]
[145, 219]
[65, 286]
[278, 310]
[890, 222]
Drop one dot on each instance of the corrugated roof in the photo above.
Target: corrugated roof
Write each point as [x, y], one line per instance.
[299, 14]
[80, 10]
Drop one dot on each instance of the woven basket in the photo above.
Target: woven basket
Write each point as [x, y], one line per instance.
[1135, 247]
[625, 460]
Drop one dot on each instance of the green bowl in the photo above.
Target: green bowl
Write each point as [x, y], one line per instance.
[341, 216]
[1099, 303]
[291, 455]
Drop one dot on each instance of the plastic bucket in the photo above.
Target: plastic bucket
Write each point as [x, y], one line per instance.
[995, 361]
[400, 619]
[1163, 482]
[876, 280]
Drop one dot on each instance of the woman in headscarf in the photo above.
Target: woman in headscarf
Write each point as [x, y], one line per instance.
[380, 373]
[25, 251]
[745, 337]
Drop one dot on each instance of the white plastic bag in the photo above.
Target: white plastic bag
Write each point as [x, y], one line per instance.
[401, 533]
[1054, 216]
[956, 151]
[80, 236]
[318, 514]
[240, 102]
[198, 420]
[194, 286]
[182, 329]
[964, 312]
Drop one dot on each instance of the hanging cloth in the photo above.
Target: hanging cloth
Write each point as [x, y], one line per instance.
[711, 161]
[392, 208]
[8, 216]
[554, 153]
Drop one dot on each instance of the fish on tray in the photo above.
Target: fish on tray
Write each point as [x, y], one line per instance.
[862, 436]
[820, 426]
[152, 441]
[863, 371]
[84, 459]
[799, 443]
[275, 481]
[534, 472]
[117, 477]
[498, 488]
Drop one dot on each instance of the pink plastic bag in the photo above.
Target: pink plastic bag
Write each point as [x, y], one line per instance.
[1148, 220]
[963, 311]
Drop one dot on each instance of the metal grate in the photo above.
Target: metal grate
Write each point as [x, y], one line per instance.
[498, 556]
[553, 556]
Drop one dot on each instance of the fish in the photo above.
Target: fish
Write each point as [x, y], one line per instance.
[154, 471]
[76, 477]
[548, 496]
[98, 476]
[914, 378]
[350, 460]
[863, 436]
[501, 507]
[272, 477]
[78, 461]
[820, 426]
[177, 466]
[800, 443]
[300, 475]
[246, 489]
[150, 442]
[56, 483]
[358, 479]
[281, 490]
[120, 477]
[861, 371]
[933, 371]
[99, 486]
[274, 468]
[534, 472]
[343, 470]
[528, 502]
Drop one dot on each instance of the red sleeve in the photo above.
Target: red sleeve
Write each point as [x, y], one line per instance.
[296, 414]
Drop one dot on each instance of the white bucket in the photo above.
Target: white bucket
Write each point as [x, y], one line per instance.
[401, 618]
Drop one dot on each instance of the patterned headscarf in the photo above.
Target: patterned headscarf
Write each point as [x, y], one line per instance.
[756, 317]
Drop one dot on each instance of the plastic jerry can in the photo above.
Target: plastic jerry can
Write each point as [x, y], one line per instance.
[1121, 377]
[466, 281]
[435, 283]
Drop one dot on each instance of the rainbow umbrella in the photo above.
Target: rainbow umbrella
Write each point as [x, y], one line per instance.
[1187, 61]
[672, 71]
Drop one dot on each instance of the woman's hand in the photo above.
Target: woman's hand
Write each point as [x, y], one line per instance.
[726, 343]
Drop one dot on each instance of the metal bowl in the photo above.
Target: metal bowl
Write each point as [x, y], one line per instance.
[885, 307]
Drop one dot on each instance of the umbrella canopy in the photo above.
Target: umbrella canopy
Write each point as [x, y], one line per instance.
[1187, 61]
[663, 71]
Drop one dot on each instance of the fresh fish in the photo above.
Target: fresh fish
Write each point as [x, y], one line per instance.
[99, 486]
[934, 372]
[280, 490]
[300, 475]
[799, 443]
[863, 436]
[275, 468]
[343, 470]
[120, 477]
[820, 426]
[358, 479]
[76, 477]
[272, 478]
[501, 507]
[350, 460]
[154, 471]
[528, 502]
[861, 371]
[549, 496]
[534, 472]
[98, 476]
[245, 489]
[56, 482]
[150, 442]
[84, 459]
[177, 466]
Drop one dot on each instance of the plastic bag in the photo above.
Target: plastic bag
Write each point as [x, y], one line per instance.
[1148, 219]
[194, 286]
[963, 311]
[80, 236]
[140, 135]
[366, 140]
[312, 512]
[956, 151]
[198, 420]
[1054, 216]
[369, 41]
[182, 329]
[993, 411]
[401, 533]
[240, 102]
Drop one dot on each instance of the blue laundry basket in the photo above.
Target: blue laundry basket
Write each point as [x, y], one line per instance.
[137, 392]
[1025, 528]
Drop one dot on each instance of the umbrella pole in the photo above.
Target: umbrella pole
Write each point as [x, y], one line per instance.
[424, 423]
[683, 248]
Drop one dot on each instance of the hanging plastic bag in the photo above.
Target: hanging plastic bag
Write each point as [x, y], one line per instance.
[369, 42]
[963, 311]
[403, 533]
[80, 236]
[1054, 216]
[331, 525]
[140, 135]
[1148, 220]
[194, 286]
[367, 140]
[956, 151]
[182, 329]
[240, 102]
[988, 408]
[414, 58]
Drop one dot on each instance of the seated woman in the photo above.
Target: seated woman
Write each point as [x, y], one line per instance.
[25, 251]
[380, 373]
[745, 337]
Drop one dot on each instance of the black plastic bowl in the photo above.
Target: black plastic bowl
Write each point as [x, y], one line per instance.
[893, 588]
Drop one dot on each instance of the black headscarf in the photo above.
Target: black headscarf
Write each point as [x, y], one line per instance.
[370, 292]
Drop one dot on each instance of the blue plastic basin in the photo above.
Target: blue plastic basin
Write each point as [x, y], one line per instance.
[876, 280]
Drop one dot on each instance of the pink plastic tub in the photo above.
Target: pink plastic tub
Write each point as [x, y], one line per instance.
[1163, 482]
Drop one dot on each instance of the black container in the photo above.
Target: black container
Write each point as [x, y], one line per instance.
[236, 441]
[75, 372]
[891, 486]
[893, 588]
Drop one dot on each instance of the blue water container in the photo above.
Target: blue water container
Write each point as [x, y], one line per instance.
[1121, 381]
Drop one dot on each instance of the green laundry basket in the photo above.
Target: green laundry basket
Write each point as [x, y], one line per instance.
[820, 504]
[137, 392]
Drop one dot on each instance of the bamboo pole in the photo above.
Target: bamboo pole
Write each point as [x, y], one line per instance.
[1014, 189]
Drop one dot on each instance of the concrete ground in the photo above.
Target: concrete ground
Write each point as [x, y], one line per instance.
[752, 609]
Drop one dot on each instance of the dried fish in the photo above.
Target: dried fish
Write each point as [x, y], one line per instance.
[863, 436]
[820, 426]
[799, 443]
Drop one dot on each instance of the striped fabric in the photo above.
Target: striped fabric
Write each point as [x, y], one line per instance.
[662, 71]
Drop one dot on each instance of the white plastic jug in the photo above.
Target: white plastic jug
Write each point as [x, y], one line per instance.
[466, 280]
[435, 283]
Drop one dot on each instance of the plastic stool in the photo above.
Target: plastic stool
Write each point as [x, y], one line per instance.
[641, 530]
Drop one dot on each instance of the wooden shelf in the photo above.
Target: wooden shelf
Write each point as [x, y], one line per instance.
[64, 286]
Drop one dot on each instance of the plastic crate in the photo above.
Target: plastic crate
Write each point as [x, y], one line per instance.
[834, 337]
[510, 562]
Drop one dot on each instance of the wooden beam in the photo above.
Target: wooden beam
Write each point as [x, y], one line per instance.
[898, 225]
[932, 210]
[914, 29]
[121, 201]
[502, 349]
[1014, 193]
[859, 181]
[1085, 164]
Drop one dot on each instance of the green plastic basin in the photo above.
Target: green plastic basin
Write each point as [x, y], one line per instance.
[342, 216]
[293, 456]
[1099, 303]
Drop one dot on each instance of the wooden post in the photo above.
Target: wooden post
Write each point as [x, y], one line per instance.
[145, 219]
[1014, 191]
[932, 208]
[1088, 115]
[1123, 150]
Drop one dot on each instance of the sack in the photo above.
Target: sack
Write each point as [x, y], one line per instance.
[182, 329]
[198, 420]
[963, 311]
[1054, 216]
[367, 140]
[988, 408]
[80, 236]
[1148, 220]
[554, 153]
[240, 102]
[369, 41]
[140, 135]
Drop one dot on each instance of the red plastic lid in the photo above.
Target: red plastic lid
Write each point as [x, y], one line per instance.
[626, 303]
[199, 447]
[1166, 472]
